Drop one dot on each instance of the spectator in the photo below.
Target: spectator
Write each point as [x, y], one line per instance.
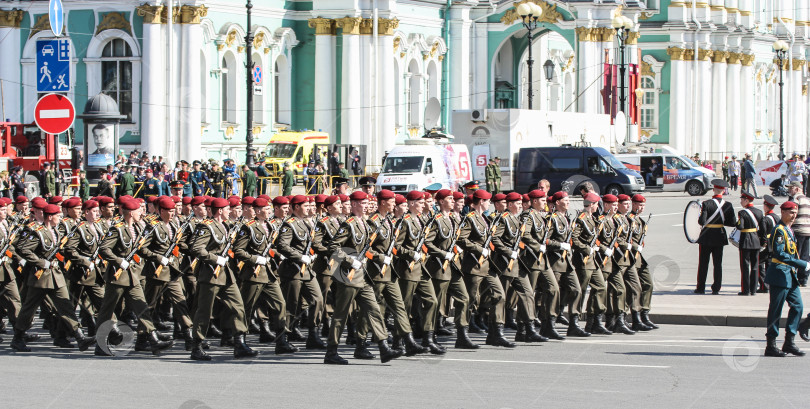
[48, 181]
[105, 185]
[334, 162]
[733, 172]
[287, 180]
[249, 184]
[17, 182]
[84, 186]
[544, 185]
[724, 166]
[357, 167]
[750, 176]
[801, 227]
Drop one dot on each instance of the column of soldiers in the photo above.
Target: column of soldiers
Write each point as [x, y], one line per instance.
[371, 264]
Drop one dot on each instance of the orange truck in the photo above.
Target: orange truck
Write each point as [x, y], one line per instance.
[27, 146]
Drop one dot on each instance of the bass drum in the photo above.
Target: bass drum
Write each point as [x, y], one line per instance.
[573, 183]
[691, 224]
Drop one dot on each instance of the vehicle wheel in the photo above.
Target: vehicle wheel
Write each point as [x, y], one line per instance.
[31, 186]
[613, 189]
[695, 188]
[573, 183]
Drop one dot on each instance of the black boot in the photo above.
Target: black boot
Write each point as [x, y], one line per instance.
[463, 340]
[241, 348]
[396, 343]
[83, 341]
[474, 328]
[436, 341]
[574, 330]
[482, 322]
[589, 323]
[427, 342]
[386, 353]
[532, 335]
[411, 347]
[361, 352]
[804, 328]
[790, 347]
[610, 322]
[772, 350]
[156, 344]
[645, 318]
[520, 335]
[441, 330]
[495, 337]
[332, 357]
[89, 323]
[18, 342]
[598, 327]
[621, 326]
[165, 337]
[198, 353]
[226, 340]
[283, 346]
[637, 324]
[254, 328]
[562, 320]
[213, 331]
[548, 330]
[62, 342]
[141, 344]
[188, 339]
[510, 319]
[265, 334]
[350, 335]
[325, 328]
[314, 341]
[295, 333]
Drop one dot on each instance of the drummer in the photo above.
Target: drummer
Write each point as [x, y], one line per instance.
[715, 215]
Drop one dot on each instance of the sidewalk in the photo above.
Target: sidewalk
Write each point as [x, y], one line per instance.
[681, 306]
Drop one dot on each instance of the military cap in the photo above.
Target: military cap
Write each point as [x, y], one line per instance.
[177, 199]
[747, 195]
[177, 184]
[458, 195]
[330, 200]
[90, 204]
[320, 198]
[720, 183]
[265, 197]
[433, 187]
[415, 195]
[481, 194]
[358, 196]
[343, 198]
[187, 200]
[259, 203]
[72, 202]
[337, 181]
[51, 209]
[472, 185]
[399, 199]
[234, 201]
[795, 183]
[197, 200]
[499, 197]
[166, 203]
[367, 181]
[130, 205]
[427, 195]
[386, 194]
[151, 199]
[558, 195]
[218, 203]
[514, 197]
[39, 203]
[55, 200]
[789, 205]
[638, 198]
[591, 197]
[21, 199]
[298, 199]
[770, 201]
[104, 200]
[249, 200]
[443, 194]
[608, 198]
[277, 201]
[5, 201]
[623, 197]
[208, 199]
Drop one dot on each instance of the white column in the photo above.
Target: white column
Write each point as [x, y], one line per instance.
[678, 125]
[351, 83]
[153, 128]
[749, 113]
[10, 73]
[718, 112]
[704, 109]
[795, 112]
[481, 80]
[189, 141]
[324, 75]
[590, 68]
[386, 133]
[734, 135]
[460, 48]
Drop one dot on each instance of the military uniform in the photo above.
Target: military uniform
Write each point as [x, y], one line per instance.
[49, 185]
[626, 261]
[769, 221]
[84, 189]
[249, 184]
[297, 277]
[715, 213]
[643, 270]
[609, 239]
[287, 182]
[493, 178]
[473, 236]
[126, 184]
[584, 244]
[323, 266]
[10, 300]
[448, 280]
[783, 285]
[412, 277]
[560, 262]
[151, 187]
[81, 250]
[533, 257]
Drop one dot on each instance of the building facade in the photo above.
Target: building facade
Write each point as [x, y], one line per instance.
[364, 70]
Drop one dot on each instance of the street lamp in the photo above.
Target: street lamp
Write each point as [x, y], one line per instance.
[781, 49]
[622, 25]
[249, 79]
[548, 67]
[530, 13]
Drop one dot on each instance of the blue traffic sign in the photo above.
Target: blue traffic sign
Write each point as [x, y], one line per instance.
[56, 16]
[257, 74]
[53, 65]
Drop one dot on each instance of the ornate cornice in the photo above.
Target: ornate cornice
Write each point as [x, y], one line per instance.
[718, 56]
[11, 18]
[646, 69]
[158, 14]
[798, 65]
[676, 53]
[322, 26]
[734, 58]
[114, 20]
[349, 25]
[705, 55]
[595, 34]
[747, 59]
[550, 13]
[367, 26]
[43, 23]
[632, 37]
[386, 26]
[192, 14]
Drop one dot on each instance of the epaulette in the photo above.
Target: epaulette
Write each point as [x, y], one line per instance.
[406, 217]
[32, 224]
[98, 221]
[208, 221]
[251, 222]
[40, 227]
[471, 214]
[119, 224]
[582, 216]
[375, 217]
[601, 217]
[350, 219]
[290, 220]
[82, 223]
[154, 221]
[438, 216]
[325, 219]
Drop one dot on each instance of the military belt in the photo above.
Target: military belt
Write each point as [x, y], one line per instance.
[714, 226]
[777, 261]
[748, 231]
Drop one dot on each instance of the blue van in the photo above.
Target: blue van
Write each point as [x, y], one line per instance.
[568, 167]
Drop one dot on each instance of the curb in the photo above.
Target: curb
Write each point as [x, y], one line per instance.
[712, 320]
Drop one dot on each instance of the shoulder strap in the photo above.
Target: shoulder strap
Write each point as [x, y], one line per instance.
[751, 215]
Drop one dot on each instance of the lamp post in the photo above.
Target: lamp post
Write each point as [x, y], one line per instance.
[622, 25]
[548, 68]
[530, 13]
[249, 80]
[781, 49]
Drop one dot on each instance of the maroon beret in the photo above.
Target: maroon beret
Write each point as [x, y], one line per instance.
[187, 200]
[166, 203]
[358, 196]
[330, 200]
[39, 203]
[298, 199]
[90, 204]
[498, 197]
[609, 198]
[265, 197]
[343, 198]
[428, 195]
[415, 195]
[259, 202]
[558, 195]
[386, 194]
[399, 199]
[443, 194]
[104, 200]
[21, 199]
[177, 199]
[130, 204]
[789, 205]
[218, 203]
[249, 200]
[151, 199]
[640, 199]
[234, 201]
[514, 197]
[278, 201]
[72, 202]
[55, 200]
[623, 197]
[481, 194]
[458, 195]
[320, 198]
[51, 209]
[591, 197]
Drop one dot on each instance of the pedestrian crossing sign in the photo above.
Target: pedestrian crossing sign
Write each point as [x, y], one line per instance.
[53, 65]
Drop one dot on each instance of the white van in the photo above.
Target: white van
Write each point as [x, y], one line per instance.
[670, 171]
[422, 162]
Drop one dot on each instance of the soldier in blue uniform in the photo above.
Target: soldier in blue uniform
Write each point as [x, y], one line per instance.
[784, 284]
[715, 214]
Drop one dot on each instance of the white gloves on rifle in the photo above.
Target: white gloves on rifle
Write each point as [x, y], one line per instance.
[221, 261]
[514, 255]
[608, 252]
[542, 248]
[485, 253]
[417, 256]
[565, 246]
[261, 260]
[448, 256]
[164, 261]
[92, 266]
[356, 264]
[594, 249]
[47, 265]
[387, 260]
[124, 264]
[639, 248]
[306, 259]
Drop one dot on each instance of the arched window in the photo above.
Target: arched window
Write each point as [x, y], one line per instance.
[414, 94]
[649, 104]
[116, 75]
[228, 88]
[282, 91]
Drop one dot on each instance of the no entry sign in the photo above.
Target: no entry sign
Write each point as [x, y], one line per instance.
[54, 113]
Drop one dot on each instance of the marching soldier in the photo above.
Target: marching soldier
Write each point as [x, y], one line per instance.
[547, 291]
[215, 278]
[297, 278]
[351, 284]
[715, 214]
[587, 228]
[254, 249]
[123, 278]
[475, 240]
[38, 248]
[81, 250]
[784, 285]
[506, 240]
[752, 235]
[641, 266]
[443, 262]
[323, 266]
[612, 229]
[8, 284]
[414, 281]
[769, 220]
[625, 260]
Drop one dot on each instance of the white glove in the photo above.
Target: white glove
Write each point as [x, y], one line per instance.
[459, 251]
[590, 251]
[23, 262]
[92, 266]
[639, 248]
[221, 261]
[449, 255]
[387, 260]
[261, 260]
[594, 249]
[608, 252]
[47, 265]
[565, 246]
[124, 264]
[514, 255]
[484, 252]
[417, 256]
[306, 259]
[542, 248]
[164, 261]
[807, 267]
[356, 264]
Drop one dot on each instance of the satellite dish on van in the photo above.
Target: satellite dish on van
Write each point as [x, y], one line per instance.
[433, 113]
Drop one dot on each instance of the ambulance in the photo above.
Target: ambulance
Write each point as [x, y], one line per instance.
[422, 162]
[293, 147]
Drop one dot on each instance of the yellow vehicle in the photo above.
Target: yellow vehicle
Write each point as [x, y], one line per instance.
[293, 147]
